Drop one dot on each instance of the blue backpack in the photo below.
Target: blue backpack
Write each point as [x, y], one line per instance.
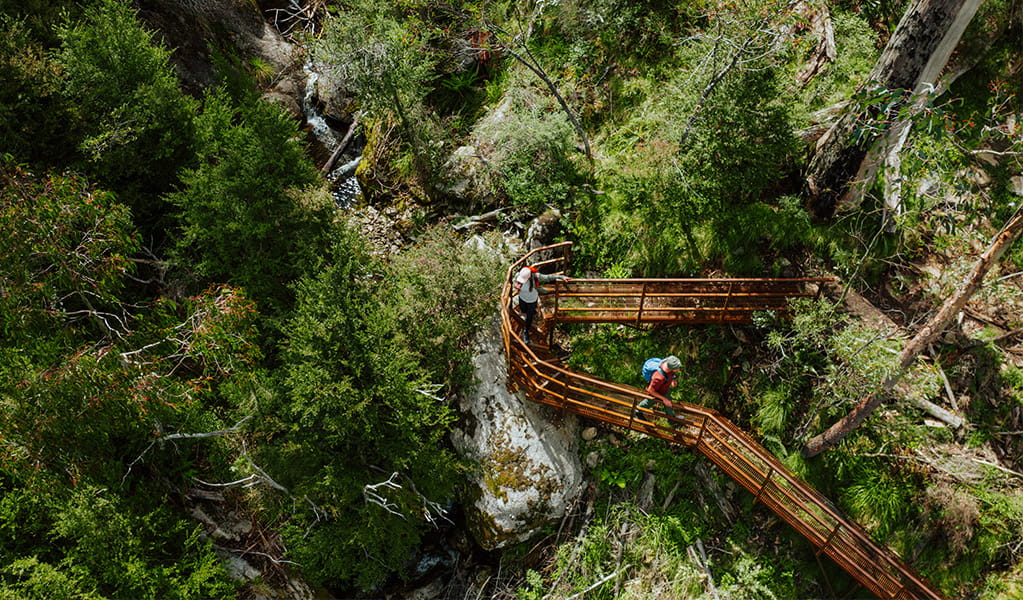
[650, 366]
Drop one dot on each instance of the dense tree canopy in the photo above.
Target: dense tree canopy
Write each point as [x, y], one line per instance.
[186, 315]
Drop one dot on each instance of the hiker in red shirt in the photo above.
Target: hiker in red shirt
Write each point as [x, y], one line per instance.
[661, 382]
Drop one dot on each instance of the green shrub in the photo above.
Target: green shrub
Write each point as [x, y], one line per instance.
[878, 499]
[615, 352]
[355, 406]
[137, 129]
[251, 213]
[646, 222]
[30, 579]
[741, 139]
[441, 293]
[64, 250]
[744, 236]
[94, 543]
[38, 124]
[532, 144]
[774, 410]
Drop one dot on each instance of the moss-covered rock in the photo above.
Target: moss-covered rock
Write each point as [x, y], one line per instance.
[528, 466]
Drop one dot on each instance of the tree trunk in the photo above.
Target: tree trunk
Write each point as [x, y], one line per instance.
[887, 149]
[915, 54]
[930, 331]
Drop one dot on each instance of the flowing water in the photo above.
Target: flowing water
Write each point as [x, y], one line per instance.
[344, 186]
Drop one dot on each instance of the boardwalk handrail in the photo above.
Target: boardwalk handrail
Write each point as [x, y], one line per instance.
[545, 380]
[678, 301]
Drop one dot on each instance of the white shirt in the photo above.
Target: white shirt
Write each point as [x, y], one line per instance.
[526, 294]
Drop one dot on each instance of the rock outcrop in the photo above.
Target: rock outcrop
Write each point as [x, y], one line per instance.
[194, 29]
[528, 463]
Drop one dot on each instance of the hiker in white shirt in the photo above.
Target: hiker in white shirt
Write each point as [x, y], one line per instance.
[527, 286]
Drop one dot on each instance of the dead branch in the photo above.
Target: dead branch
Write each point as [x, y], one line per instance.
[533, 65]
[341, 147]
[936, 411]
[295, 15]
[208, 434]
[370, 494]
[476, 220]
[671, 495]
[253, 479]
[944, 380]
[825, 51]
[596, 585]
[530, 62]
[927, 334]
[710, 484]
[244, 480]
[711, 86]
[431, 509]
[163, 438]
[997, 466]
[266, 478]
[698, 556]
[996, 153]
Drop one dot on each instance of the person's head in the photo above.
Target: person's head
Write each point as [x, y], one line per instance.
[532, 269]
[672, 364]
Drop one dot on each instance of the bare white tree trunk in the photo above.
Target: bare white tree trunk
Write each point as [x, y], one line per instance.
[888, 149]
[914, 57]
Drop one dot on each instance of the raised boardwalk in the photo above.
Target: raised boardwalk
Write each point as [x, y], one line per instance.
[544, 379]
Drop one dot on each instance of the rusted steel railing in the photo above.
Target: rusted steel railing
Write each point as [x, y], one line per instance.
[543, 379]
[678, 301]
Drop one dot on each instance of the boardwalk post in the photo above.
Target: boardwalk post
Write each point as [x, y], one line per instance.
[728, 299]
[549, 322]
[642, 300]
[830, 537]
[763, 486]
[699, 436]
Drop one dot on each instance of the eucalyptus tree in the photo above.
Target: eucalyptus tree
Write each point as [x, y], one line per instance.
[910, 63]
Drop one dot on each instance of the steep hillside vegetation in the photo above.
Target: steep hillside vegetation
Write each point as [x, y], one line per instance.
[190, 324]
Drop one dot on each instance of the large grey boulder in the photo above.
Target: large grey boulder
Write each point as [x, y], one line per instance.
[469, 177]
[528, 464]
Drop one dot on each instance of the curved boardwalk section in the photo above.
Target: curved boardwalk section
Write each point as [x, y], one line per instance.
[544, 379]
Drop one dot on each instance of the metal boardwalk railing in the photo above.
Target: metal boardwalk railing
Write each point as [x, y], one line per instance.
[544, 379]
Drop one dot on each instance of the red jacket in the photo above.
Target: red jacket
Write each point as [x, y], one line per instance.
[661, 382]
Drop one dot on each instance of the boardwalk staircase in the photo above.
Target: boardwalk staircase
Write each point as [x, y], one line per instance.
[544, 379]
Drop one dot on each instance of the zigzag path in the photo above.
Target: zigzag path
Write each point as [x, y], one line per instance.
[544, 379]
